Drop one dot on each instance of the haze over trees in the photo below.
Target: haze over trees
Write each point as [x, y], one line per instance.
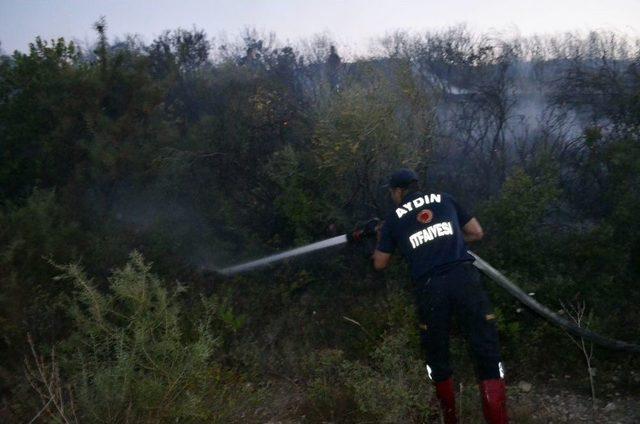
[130, 170]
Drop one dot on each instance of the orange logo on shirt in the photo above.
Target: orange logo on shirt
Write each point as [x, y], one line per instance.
[424, 216]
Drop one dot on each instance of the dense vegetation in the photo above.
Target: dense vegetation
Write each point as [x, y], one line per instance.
[128, 171]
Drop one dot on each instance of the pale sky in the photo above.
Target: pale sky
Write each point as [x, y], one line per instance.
[349, 22]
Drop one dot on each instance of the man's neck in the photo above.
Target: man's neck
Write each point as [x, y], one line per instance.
[408, 194]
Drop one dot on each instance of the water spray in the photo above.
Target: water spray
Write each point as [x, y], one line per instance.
[278, 257]
[363, 231]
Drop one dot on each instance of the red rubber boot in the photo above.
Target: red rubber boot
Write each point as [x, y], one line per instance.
[447, 398]
[494, 401]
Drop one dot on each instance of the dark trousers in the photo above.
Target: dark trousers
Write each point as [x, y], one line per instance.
[458, 290]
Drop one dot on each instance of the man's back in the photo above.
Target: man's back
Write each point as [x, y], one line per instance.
[427, 229]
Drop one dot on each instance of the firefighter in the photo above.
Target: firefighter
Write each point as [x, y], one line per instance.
[431, 231]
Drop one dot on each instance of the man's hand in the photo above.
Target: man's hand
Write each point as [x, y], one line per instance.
[380, 260]
[365, 230]
[472, 231]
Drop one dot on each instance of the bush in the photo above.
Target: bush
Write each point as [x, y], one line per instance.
[391, 387]
[135, 355]
[31, 234]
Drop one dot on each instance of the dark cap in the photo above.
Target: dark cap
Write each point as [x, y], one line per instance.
[402, 178]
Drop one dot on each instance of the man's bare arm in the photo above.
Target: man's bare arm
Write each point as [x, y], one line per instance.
[472, 231]
[380, 259]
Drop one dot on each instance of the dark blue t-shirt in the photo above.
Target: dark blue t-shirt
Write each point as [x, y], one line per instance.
[427, 229]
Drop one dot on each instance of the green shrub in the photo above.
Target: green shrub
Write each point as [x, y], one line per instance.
[31, 234]
[391, 387]
[394, 388]
[136, 355]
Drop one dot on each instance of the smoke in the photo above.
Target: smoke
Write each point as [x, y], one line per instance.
[495, 102]
[165, 222]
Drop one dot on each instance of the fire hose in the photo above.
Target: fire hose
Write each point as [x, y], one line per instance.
[548, 314]
[368, 229]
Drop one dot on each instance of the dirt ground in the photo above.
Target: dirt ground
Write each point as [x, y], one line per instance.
[538, 403]
[549, 405]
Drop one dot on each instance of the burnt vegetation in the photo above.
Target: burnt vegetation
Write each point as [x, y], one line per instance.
[128, 171]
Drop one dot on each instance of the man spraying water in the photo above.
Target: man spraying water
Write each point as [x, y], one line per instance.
[431, 231]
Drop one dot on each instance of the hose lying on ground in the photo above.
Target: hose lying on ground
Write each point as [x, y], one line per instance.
[548, 314]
